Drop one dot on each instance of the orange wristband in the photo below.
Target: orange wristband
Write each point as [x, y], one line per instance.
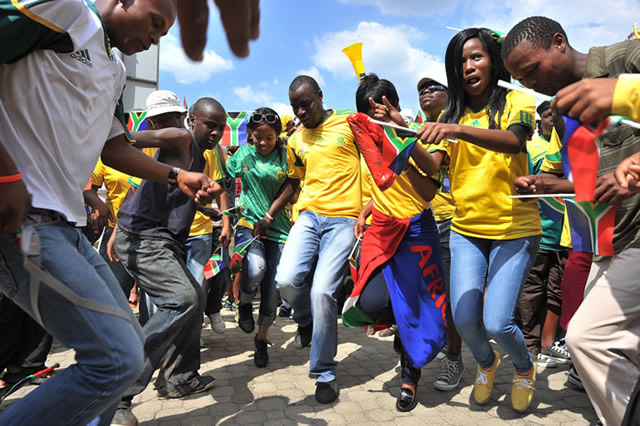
[11, 178]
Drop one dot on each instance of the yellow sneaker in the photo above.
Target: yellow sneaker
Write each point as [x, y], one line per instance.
[523, 388]
[483, 385]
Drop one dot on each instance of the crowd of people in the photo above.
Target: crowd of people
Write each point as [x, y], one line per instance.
[446, 253]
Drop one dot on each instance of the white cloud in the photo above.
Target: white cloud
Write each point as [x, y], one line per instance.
[253, 99]
[407, 7]
[588, 23]
[185, 71]
[390, 52]
[312, 72]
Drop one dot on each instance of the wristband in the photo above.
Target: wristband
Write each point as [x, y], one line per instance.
[11, 178]
[268, 216]
[173, 175]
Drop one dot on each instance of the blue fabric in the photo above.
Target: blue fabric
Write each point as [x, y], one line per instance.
[416, 287]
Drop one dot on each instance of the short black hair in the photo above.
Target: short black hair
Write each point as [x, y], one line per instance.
[301, 80]
[205, 104]
[537, 30]
[373, 87]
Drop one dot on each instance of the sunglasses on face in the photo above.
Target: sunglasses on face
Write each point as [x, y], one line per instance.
[432, 88]
[257, 118]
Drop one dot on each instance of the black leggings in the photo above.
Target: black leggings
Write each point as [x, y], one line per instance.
[376, 302]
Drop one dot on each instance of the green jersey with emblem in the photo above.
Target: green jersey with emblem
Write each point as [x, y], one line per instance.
[262, 176]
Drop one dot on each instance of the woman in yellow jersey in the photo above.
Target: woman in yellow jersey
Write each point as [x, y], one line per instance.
[493, 238]
[399, 279]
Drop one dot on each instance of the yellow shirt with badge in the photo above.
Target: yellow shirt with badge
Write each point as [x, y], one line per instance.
[482, 180]
[116, 183]
[327, 159]
[213, 168]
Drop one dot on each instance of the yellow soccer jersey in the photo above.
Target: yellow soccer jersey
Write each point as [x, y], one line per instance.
[552, 162]
[202, 224]
[537, 149]
[626, 97]
[327, 159]
[116, 183]
[482, 180]
[442, 203]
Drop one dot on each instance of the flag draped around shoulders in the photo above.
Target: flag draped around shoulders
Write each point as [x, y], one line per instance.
[408, 250]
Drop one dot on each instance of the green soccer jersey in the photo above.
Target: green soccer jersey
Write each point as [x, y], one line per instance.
[262, 176]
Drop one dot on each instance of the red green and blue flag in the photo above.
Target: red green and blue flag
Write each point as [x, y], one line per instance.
[214, 265]
[591, 226]
[137, 122]
[239, 253]
[580, 153]
[235, 134]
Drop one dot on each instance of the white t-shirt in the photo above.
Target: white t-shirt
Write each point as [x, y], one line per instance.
[59, 90]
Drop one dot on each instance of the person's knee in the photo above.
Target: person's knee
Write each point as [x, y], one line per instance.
[497, 328]
[322, 296]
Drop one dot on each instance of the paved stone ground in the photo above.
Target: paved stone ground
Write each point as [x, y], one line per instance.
[368, 375]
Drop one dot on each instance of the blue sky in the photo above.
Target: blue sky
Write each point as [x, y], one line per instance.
[403, 40]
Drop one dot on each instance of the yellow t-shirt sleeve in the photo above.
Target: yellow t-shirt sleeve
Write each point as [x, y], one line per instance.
[97, 177]
[626, 97]
[552, 162]
[522, 111]
[295, 166]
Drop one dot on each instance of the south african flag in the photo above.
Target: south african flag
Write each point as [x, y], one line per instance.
[397, 146]
[137, 121]
[235, 134]
[591, 226]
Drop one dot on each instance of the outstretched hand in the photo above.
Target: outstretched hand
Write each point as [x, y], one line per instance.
[240, 19]
[433, 133]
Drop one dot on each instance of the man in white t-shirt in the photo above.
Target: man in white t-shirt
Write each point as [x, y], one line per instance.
[60, 85]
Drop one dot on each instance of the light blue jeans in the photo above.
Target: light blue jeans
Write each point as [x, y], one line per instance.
[330, 239]
[259, 269]
[503, 265]
[198, 253]
[109, 355]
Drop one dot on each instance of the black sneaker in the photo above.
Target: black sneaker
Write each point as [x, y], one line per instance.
[327, 392]
[245, 318]
[124, 417]
[574, 378]
[303, 337]
[407, 400]
[261, 354]
[284, 311]
[198, 385]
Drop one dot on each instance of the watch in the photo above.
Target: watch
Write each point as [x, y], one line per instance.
[173, 174]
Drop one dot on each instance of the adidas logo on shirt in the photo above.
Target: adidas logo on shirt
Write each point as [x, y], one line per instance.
[82, 55]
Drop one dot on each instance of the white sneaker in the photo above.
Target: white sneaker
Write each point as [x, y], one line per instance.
[217, 325]
[546, 361]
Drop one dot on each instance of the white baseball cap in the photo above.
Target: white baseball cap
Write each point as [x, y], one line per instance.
[163, 101]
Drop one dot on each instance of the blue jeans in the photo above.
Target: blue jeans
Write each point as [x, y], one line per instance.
[198, 253]
[172, 334]
[504, 265]
[259, 269]
[330, 239]
[109, 354]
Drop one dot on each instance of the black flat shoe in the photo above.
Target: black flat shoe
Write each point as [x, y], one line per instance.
[407, 400]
